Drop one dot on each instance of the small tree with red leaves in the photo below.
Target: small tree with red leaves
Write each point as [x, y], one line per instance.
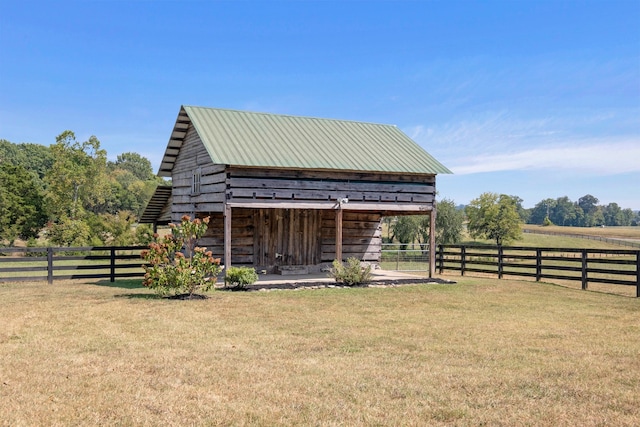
[176, 265]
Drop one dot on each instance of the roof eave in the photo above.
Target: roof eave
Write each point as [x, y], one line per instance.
[175, 143]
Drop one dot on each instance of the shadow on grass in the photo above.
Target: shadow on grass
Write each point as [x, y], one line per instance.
[127, 284]
[124, 284]
[138, 296]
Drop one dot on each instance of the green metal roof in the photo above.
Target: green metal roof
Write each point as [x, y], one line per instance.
[279, 141]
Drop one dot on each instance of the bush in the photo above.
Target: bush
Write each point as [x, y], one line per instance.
[176, 264]
[238, 278]
[352, 273]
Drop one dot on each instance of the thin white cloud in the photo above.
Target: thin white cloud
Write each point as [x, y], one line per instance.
[602, 158]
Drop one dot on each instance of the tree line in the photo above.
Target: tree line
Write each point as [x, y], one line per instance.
[69, 194]
[498, 217]
[586, 212]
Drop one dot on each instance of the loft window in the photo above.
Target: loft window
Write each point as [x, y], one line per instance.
[195, 182]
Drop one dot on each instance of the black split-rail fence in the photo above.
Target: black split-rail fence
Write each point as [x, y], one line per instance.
[607, 266]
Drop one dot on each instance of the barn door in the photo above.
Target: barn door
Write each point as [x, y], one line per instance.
[287, 237]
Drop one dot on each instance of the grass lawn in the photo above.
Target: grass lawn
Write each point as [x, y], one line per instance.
[481, 352]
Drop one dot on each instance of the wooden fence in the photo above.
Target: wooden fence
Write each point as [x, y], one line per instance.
[634, 243]
[609, 266]
[29, 264]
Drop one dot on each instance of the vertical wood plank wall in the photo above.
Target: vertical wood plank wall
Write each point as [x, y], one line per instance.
[270, 237]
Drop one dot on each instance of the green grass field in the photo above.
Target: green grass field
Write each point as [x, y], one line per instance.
[481, 352]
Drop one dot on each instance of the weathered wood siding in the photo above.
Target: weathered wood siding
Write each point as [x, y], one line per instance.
[191, 158]
[361, 236]
[247, 184]
[267, 238]
[242, 234]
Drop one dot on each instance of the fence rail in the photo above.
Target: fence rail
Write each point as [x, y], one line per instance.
[622, 242]
[95, 262]
[609, 266]
[414, 257]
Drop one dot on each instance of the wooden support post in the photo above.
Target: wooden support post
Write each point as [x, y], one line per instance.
[432, 241]
[339, 233]
[227, 238]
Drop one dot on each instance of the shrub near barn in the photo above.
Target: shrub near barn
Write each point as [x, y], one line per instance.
[177, 265]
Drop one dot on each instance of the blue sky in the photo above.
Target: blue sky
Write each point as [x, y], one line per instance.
[536, 99]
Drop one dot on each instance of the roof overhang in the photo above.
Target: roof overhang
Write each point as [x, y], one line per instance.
[175, 142]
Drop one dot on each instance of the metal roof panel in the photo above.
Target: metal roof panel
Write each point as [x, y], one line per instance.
[279, 141]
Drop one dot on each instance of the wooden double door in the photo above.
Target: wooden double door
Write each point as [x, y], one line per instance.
[287, 237]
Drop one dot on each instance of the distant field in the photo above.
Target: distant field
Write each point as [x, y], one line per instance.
[548, 241]
[480, 352]
[610, 232]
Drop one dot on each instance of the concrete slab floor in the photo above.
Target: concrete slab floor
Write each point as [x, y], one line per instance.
[322, 280]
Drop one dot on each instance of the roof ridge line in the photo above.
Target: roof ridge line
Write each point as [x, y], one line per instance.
[289, 115]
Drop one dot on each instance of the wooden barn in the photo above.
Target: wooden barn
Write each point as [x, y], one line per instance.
[286, 192]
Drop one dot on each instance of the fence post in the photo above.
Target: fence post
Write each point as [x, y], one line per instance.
[441, 258]
[398, 260]
[538, 265]
[638, 274]
[584, 270]
[50, 265]
[463, 261]
[500, 260]
[112, 277]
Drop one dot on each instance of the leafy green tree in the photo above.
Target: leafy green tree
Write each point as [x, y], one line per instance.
[77, 178]
[139, 166]
[388, 221]
[113, 229]
[494, 217]
[21, 204]
[129, 193]
[423, 223]
[449, 223]
[565, 212]
[588, 203]
[627, 217]
[130, 186]
[36, 159]
[597, 217]
[522, 212]
[405, 230]
[589, 206]
[69, 232]
[542, 210]
[612, 215]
